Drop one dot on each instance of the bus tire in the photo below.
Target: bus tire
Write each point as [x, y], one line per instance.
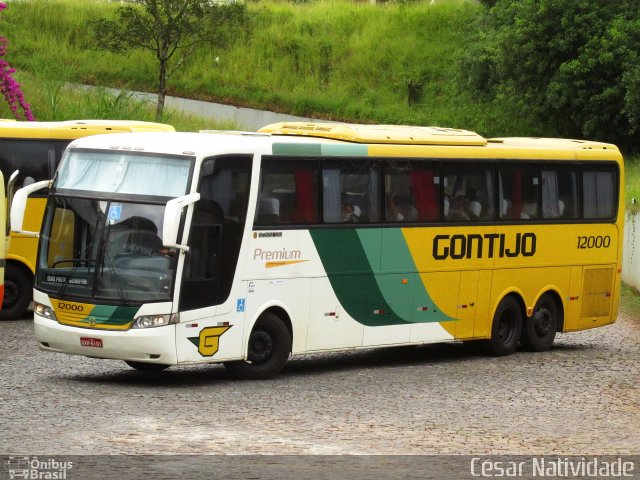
[268, 350]
[147, 367]
[506, 328]
[18, 292]
[539, 330]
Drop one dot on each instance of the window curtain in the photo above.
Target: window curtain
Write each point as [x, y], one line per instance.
[550, 208]
[424, 194]
[598, 194]
[516, 195]
[374, 195]
[124, 174]
[331, 193]
[305, 205]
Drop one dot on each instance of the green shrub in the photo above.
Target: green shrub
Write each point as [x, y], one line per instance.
[574, 64]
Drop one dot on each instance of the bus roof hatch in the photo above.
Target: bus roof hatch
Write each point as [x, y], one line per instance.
[391, 134]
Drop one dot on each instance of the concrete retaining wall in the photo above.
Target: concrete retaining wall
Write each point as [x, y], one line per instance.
[631, 255]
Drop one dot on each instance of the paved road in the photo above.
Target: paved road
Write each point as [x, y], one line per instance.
[580, 398]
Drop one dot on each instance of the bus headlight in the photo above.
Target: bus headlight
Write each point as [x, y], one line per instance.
[44, 311]
[150, 321]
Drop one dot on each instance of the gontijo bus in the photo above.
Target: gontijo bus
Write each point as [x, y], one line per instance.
[34, 149]
[178, 248]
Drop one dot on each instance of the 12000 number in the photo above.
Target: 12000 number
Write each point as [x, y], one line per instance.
[594, 242]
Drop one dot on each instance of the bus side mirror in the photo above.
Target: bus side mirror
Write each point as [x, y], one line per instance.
[19, 205]
[171, 222]
[11, 189]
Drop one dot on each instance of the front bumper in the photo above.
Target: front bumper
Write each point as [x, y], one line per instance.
[153, 345]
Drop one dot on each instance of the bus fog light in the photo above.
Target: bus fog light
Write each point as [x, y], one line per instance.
[150, 321]
[44, 311]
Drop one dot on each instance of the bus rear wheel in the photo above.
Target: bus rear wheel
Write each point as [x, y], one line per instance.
[18, 290]
[147, 367]
[506, 328]
[540, 329]
[268, 350]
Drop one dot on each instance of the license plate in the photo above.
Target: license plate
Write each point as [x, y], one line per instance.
[91, 342]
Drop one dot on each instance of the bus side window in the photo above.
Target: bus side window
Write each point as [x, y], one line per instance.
[288, 193]
[468, 193]
[31, 157]
[559, 192]
[350, 192]
[412, 192]
[599, 187]
[519, 188]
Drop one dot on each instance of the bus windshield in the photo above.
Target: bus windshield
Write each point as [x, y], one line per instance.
[104, 249]
[124, 172]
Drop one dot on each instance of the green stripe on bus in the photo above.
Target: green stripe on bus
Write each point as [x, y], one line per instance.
[113, 315]
[320, 149]
[398, 278]
[309, 149]
[373, 297]
[351, 277]
[344, 150]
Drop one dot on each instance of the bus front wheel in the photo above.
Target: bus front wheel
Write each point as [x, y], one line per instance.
[18, 290]
[506, 328]
[268, 350]
[539, 331]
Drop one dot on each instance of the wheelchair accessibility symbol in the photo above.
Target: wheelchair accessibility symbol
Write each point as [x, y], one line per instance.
[240, 305]
[115, 212]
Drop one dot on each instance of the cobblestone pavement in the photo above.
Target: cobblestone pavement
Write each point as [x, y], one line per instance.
[580, 398]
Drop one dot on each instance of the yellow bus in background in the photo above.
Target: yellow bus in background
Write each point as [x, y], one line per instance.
[34, 148]
[3, 236]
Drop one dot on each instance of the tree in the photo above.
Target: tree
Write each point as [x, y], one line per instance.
[573, 64]
[171, 29]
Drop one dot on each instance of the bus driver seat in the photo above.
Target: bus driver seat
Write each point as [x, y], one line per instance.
[268, 210]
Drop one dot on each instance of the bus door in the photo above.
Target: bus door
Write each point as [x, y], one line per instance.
[211, 321]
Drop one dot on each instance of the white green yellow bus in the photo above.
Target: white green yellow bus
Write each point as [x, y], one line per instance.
[244, 249]
[34, 149]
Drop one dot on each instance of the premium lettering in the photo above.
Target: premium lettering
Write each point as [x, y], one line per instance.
[284, 254]
[488, 245]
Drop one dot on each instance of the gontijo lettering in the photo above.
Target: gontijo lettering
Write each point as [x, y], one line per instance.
[484, 246]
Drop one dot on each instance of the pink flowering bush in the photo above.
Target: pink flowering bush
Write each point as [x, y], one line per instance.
[9, 88]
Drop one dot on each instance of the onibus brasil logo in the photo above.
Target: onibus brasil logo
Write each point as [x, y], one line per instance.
[37, 468]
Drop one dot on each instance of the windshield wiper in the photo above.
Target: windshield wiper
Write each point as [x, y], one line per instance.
[76, 264]
[115, 274]
[81, 259]
[118, 279]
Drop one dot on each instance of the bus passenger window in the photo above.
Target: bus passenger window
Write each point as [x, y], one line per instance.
[599, 187]
[31, 158]
[288, 193]
[559, 192]
[518, 192]
[412, 192]
[468, 196]
[350, 192]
